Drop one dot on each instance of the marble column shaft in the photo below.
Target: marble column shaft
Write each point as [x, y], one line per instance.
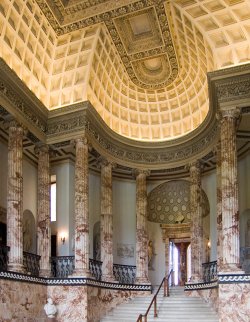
[141, 228]
[81, 208]
[196, 222]
[167, 264]
[229, 191]
[43, 209]
[106, 221]
[15, 197]
[218, 207]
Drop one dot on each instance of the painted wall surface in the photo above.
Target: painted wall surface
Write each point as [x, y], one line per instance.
[124, 221]
[244, 183]
[64, 207]
[157, 269]
[209, 186]
[94, 206]
[3, 174]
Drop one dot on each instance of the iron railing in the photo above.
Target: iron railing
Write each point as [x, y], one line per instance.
[209, 271]
[4, 257]
[124, 274]
[62, 266]
[95, 268]
[31, 263]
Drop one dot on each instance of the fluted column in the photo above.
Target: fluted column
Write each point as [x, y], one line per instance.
[81, 208]
[229, 191]
[106, 221]
[43, 209]
[218, 206]
[15, 197]
[196, 221]
[141, 228]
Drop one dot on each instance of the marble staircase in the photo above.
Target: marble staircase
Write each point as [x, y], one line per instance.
[176, 308]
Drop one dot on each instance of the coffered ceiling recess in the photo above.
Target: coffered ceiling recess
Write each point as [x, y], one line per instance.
[142, 64]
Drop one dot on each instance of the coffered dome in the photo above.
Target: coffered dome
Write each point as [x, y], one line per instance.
[142, 64]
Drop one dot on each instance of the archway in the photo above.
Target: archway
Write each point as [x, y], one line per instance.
[169, 205]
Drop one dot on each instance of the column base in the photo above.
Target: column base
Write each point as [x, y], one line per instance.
[14, 267]
[81, 273]
[142, 280]
[231, 268]
[45, 273]
[109, 278]
[196, 279]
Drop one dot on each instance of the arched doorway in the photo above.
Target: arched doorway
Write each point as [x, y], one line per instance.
[169, 206]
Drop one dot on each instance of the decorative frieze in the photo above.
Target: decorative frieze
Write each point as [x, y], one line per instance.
[235, 88]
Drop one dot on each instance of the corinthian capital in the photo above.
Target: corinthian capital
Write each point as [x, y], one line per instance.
[230, 113]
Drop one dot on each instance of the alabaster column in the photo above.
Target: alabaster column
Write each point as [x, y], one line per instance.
[43, 209]
[218, 206]
[141, 228]
[167, 264]
[106, 221]
[81, 208]
[15, 197]
[229, 191]
[196, 221]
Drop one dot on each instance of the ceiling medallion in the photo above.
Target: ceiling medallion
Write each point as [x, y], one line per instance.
[139, 30]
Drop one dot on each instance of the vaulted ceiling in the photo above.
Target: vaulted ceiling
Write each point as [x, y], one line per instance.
[142, 64]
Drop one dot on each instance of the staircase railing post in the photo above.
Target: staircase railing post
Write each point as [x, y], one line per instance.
[165, 294]
[155, 308]
[145, 318]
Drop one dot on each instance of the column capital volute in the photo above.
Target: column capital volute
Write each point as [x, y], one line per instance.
[195, 165]
[11, 122]
[41, 147]
[79, 141]
[103, 162]
[137, 172]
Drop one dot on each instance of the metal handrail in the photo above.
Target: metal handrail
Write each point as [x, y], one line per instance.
[139, 318]
[165, 282]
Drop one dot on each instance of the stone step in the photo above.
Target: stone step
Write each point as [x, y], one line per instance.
[176, 308]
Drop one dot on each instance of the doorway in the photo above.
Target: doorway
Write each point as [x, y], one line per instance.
[180, 259]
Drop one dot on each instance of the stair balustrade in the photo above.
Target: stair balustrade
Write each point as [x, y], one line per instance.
[209, 271]
[165, 284]
[30, 261]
